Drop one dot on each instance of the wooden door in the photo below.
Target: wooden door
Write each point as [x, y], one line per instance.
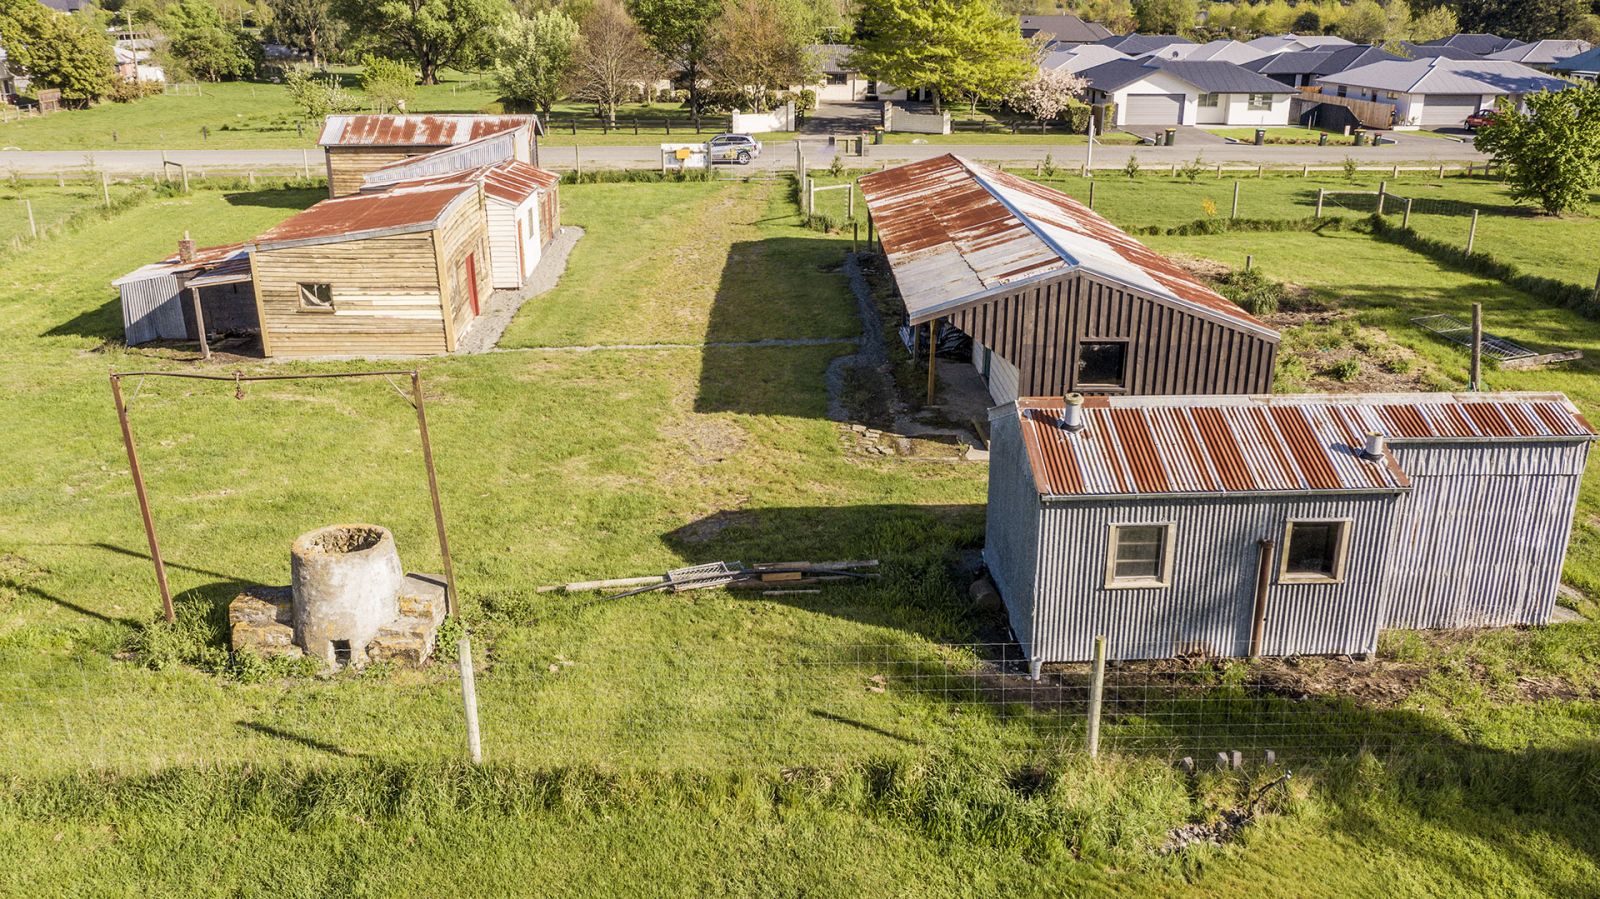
[472, 281]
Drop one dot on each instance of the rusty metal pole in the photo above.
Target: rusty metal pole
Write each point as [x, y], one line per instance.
[1258, 620]
[144, 500]
[450, 603]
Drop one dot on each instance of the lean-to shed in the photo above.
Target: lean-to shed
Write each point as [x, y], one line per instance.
[1056, 298]
[158, 300]
[403, 271]
[1276, 525]
[357, 144]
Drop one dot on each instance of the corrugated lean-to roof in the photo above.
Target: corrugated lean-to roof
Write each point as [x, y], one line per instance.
[955, 232]
[1133, 446]
[415, 130]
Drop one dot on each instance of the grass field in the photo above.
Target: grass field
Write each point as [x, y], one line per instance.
[661, 745]
[1285, 136]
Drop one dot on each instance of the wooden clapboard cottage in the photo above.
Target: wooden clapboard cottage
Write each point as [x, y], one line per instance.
[355, 145]
[1056, 299]
[401, 265]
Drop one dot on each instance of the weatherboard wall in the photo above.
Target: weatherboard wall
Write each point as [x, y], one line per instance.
[1040, 327]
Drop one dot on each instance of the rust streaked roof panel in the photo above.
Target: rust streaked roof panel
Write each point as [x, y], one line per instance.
[415, 130]
[367, 215]
[516, 181]
[955, 231]
[205, 259]
[1147, 446]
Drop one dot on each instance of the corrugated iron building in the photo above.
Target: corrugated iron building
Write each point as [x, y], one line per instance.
[1277, 525]
[354, 145]
[1056, 298]
[158, 302]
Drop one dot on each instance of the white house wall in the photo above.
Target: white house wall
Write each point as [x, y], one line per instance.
[1238, 111]
[505, 258]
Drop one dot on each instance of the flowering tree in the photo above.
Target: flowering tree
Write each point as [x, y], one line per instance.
[1048, 94]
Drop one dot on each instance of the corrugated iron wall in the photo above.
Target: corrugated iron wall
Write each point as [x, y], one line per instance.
[1209, 605]
[1011, 538]
[1480, 540]
[1040, 327]
[152, 309]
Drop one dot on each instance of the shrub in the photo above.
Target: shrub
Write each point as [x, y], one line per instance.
[1397, 365]
[129, 91]
[1048, 167]
[1131, 167]
[1350, 168]
[1192, 170]
[1347, 370]
[1254, 292]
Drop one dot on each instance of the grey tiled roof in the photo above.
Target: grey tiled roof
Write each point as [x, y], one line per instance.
[1448, 76]
[1209, 76]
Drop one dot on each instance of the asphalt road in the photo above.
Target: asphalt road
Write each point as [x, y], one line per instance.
[779, 155]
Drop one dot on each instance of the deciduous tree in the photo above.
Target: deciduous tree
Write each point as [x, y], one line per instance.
[204, 45]
[679, 31]
[434, 34]
[1552, 151]
[952, 47]
[1048, 94]
[308, 25]
[534, 58]
[612, 57]
[1166, 16]
[388, 83]
[758, 48]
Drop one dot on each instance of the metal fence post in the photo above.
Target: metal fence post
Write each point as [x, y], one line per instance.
[469, 700]
[1472, 232]
[1097, 686]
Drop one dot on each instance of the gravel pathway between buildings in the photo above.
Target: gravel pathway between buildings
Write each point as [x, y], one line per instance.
[503, 304]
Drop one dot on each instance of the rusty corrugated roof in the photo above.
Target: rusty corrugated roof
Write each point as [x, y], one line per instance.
[1265, 444]
[367, 215]
[415, 130]
[205, 259]
[516, 181]
[956, 232]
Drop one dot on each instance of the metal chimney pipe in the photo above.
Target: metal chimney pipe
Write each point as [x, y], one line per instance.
[1072, 412]
[1374, 447]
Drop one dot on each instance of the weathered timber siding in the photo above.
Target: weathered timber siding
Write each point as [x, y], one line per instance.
[1480, 540]
[1171, 350]
[1211, 599]
[549, 215]
[385, 294]
[464, 232]
[347, 165]
[1011, 539]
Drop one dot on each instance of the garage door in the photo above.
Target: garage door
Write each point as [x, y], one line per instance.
[1154, 109]
[1448, 110]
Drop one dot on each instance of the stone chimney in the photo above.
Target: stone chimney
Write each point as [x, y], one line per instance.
[186, 248]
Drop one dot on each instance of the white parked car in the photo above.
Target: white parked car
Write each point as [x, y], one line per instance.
[740, 148]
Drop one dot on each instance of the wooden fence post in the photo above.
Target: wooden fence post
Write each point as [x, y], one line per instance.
[1405, 217]
[1235, 211]
[1321, 193]
[1472, 232]
[1091, 194]
[1383, 192]
[1097, 687]
[1595, 298]
[850, 202]
[105, 188]
[933, 353]
[1249, 261]
[1477, 346]
[33, 228]
[469, 700]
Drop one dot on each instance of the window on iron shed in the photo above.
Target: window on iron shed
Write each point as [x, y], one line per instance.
[1103, 364]
[1139, 555]
[316, 297]
[1314, 551]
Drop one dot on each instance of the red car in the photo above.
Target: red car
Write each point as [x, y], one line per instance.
[1479, 119]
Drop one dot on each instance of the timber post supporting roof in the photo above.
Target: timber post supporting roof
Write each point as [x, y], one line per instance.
[957, 233]
[1276, 444]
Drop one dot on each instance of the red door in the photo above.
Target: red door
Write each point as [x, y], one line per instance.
[472, 281]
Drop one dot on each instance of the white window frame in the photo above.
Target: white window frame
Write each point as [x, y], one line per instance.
[310, 302]
[1341, 553]
[1210, 100]
[1259, 102]
[1113, 582]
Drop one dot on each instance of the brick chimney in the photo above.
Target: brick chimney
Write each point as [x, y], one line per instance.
[186, 248]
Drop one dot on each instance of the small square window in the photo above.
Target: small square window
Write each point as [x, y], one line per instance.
[1314, 551]
[1102, 364]
[1139, 555]
[316, 297]
[1259, 102]
[1210, 101]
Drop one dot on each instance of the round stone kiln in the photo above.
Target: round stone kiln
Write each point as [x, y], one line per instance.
[346, 584]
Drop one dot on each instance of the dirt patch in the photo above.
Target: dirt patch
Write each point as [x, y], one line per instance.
[705, 439]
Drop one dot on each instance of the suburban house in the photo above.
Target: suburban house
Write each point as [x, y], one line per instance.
[1055, 298]
[1152, 91]
[1429, 51]
[1295, 43]
[1065, 29]
[1078, 57]
[1584, 65]
[1276, 525]
[1480, 45]
[402, 266]
[357, 144]
[841, 82]
[1542, 55]
[1140, 44]
[1301, 68]
[1438, 92]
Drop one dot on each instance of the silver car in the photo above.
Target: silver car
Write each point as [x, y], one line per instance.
[740, 148]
